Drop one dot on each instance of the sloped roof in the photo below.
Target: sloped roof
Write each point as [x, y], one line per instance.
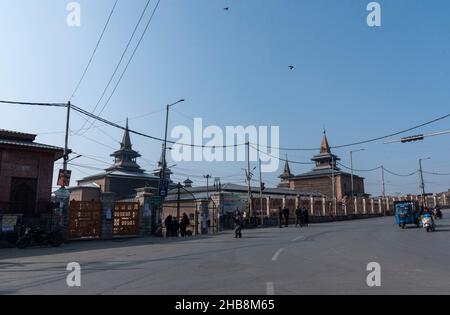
[120, 173]
[201, 191]
[24, 140]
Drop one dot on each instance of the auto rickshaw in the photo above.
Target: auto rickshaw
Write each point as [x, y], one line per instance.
[407, 212]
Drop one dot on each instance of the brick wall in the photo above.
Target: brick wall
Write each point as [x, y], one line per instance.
[26, 164]
[324, 185]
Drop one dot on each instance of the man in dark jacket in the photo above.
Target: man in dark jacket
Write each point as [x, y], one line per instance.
[168, 223]
[238, 222]
[286, 216]
[305, 216]
[298, 217]
[175, 227]
[184, 224]
[280, 217]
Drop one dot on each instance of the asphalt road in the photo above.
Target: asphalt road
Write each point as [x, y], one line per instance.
[329, 258]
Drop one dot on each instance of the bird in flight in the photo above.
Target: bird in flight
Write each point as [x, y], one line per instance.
[226, 9]
[291, 67]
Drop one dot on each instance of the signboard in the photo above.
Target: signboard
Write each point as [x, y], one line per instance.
[64, 178]
[9, 223]
[163, 188]
[233, 203]
[147, 212]
[157, 200]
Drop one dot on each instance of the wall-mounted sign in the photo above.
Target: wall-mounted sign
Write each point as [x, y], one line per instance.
[64, 178]
[108, 214]
[9, 223]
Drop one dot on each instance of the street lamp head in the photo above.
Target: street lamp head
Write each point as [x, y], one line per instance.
[180, 101]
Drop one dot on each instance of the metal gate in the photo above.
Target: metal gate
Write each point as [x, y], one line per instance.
[84, 219]
[126, 218]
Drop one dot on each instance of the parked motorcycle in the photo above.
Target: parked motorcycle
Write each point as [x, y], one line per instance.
[428, 222]
[36, 235]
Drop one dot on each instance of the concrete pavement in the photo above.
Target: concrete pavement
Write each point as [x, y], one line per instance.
[328, 258]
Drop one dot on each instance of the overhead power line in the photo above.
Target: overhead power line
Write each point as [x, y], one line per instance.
[95, 117]
[106, 122]
[378, 168]
[369, 140]
[131, 58]
[95, 50]
[118, 65]
[355, 170]
[34, 104]
[401, 175]
[279, 158]
[437, 173]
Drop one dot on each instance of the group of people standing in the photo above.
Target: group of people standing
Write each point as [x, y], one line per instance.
[301, 217]
[175, 228]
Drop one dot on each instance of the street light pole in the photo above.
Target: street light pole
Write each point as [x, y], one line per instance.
[261, 192]
[164, 163]
[179, 186]
[333, 186]
[207, 177]
[249, 181]
[383, 188]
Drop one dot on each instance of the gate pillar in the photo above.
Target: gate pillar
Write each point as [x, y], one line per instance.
[149, 212]
[107, 200]
[62, 197]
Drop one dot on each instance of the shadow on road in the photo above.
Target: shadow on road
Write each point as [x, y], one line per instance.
[92, 245]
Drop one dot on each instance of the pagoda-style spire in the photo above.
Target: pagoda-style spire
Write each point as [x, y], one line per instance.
[188, 183]
[126, 141]
[325, 147]
[325, 160]
[287, 170]
[125, 157]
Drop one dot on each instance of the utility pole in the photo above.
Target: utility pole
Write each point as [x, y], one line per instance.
[333, 186]
[179, 186]
[422, 182]
[207, 177]
[261, 187]
[162, 182]
[383, 188]
[249, 181]
[66, 146]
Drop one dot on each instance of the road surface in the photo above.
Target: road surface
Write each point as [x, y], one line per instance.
[329, 258]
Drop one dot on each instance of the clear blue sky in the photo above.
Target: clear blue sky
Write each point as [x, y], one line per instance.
[232, 68]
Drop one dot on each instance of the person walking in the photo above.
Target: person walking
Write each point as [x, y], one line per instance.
[280, 217]
[286, 216]
[184, 224]
[305, 216]
[238, 225]
[175, 227]
[298, 217]
[168, 223]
